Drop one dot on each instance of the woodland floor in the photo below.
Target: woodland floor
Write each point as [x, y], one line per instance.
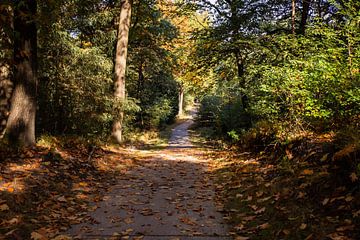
[71, 190]
[111, 193]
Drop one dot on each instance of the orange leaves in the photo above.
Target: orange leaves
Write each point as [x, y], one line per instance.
[307, 172]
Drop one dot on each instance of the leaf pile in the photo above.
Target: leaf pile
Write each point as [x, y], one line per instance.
[302, 194]
[44, 190]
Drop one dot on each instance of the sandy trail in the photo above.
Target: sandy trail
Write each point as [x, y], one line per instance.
[169, 195]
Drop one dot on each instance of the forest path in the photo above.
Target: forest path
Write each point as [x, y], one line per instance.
[168, 195]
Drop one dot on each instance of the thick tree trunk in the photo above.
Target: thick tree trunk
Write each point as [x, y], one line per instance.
[120, 65]
[239, 64]
[21, 122]
[304, 15]
[181, 101]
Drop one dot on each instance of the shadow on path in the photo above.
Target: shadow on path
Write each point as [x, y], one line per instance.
[169, 195]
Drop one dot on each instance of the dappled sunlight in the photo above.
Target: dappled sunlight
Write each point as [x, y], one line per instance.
[17, 185]
[24, 167]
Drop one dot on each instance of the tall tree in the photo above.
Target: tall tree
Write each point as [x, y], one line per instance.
[21, 122]
[293, 16]
[120, 64]
[304, 15]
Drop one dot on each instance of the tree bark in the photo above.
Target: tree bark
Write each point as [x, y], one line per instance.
[304, 15]
[293, 13]
[21, 122]
[181, 101]
[120, 65]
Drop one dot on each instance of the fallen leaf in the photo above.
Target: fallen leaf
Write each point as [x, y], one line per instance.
[307, 172]
[325, 201]
[345, 228]
[14, 221]
[264, 226]
[239, 227]
[38, 236]
[61, 199]
[303, 226]
[353, 177]
[286, 231]
[4, 207]
[241, 238]
[349, 198]
[261, 210]
[62, 237]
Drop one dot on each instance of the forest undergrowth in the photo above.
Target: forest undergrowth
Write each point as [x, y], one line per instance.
[302, 189]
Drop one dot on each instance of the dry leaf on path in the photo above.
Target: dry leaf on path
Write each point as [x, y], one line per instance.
[38, 236]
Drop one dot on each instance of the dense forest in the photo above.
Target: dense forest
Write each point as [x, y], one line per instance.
[288, 65]
[277, 78]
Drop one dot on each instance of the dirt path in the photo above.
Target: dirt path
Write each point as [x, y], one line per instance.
[169, 195]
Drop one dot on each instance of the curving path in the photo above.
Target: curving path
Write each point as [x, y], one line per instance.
[169, 195]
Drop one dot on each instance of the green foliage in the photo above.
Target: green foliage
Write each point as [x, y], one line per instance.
[266, 75]
[76, 51]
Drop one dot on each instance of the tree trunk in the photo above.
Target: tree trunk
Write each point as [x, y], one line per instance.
[239, 64]
[140, 83]
[304, 15]
[293, 13]
[120, 65]
[21, 122]
[181, 101]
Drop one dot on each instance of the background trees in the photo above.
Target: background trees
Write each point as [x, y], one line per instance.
[241, 56]
[265, 72]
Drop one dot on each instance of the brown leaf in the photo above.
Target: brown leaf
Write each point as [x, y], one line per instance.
[62, 237]
[261, 210]
[241, 238]
[264, 226]
[38, 236]
[4, 207]
[353, 177]
[349, 198]
[325, 201]
[303, 226]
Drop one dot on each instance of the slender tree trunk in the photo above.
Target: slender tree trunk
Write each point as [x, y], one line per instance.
[120, 65]
[21, 122]
[304, 15]
[293, 13]
[6, 85]
[140, 85]
[181, 101]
